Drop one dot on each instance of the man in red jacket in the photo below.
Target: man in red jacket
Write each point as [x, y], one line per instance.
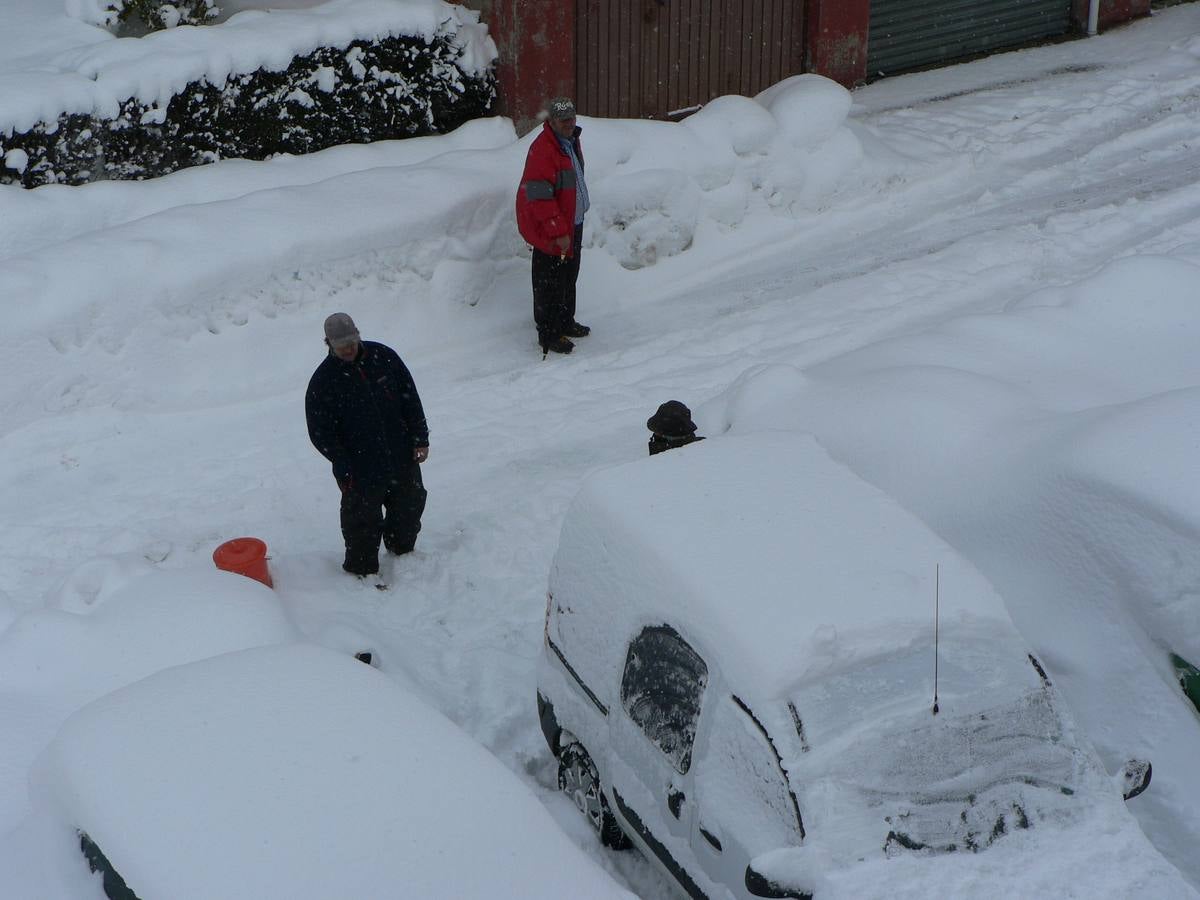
[551, 203]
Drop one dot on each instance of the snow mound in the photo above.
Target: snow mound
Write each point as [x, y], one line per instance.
[736, 122]
[124, 625]
[647, 215]
[307, 775]
[789, 150]
[810, 109]
[139, 626]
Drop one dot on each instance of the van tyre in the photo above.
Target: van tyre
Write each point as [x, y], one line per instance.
[579, 780]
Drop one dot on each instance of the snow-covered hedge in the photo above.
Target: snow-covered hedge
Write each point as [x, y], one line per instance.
[120, 15]
[242, 95]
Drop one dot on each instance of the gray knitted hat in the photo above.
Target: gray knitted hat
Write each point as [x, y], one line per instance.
[340, 330]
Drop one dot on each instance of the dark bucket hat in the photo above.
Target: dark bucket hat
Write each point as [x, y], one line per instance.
[672, 419]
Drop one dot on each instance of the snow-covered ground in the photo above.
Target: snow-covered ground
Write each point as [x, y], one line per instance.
[977, 288]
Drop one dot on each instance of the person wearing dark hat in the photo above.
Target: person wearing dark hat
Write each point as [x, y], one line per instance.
[671, 426]
[551, 202]
[365, 417]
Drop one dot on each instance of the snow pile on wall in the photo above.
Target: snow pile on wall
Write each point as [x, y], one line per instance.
[788, 149]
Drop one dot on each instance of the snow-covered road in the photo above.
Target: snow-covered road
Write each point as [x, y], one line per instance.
[155, 432]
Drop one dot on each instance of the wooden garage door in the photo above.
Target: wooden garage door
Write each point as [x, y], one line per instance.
[662, 58]
[908, 34]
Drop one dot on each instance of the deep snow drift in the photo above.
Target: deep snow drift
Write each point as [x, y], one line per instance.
[890, 279]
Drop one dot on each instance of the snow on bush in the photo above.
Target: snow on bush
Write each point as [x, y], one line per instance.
[136, 15]
[104, 13]
[17, 160]
[348, 71]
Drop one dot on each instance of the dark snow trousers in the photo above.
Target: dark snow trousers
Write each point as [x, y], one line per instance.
[390, 509]
[554, 291]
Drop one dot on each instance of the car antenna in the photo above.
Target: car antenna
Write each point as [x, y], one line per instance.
[937, 579]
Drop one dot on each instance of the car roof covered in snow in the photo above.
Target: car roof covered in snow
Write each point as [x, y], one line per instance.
[294, 771]
[773, 558]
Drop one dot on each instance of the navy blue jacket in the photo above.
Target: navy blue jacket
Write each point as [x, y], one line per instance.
[365, 416]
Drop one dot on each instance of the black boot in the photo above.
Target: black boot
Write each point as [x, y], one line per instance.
[559, 345]
[575, 330]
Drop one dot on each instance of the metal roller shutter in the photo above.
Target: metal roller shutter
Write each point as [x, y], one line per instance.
[908, 34]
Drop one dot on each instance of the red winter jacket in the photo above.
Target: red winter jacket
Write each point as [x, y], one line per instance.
[546, 197]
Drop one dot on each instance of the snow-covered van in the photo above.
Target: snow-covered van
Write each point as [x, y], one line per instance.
[740, 667]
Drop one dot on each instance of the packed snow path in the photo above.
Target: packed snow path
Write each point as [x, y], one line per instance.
[1011, 174]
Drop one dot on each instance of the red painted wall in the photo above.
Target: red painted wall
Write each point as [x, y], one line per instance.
[536, 40]
[836, 39]
[1112, 12]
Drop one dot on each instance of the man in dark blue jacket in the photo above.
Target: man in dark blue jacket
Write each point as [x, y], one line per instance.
[365, 417]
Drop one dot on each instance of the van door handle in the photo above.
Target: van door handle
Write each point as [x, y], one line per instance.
[711, 838]
[675, 802]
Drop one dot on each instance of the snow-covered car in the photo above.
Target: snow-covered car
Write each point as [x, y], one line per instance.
[296, 772]
[762, 671]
